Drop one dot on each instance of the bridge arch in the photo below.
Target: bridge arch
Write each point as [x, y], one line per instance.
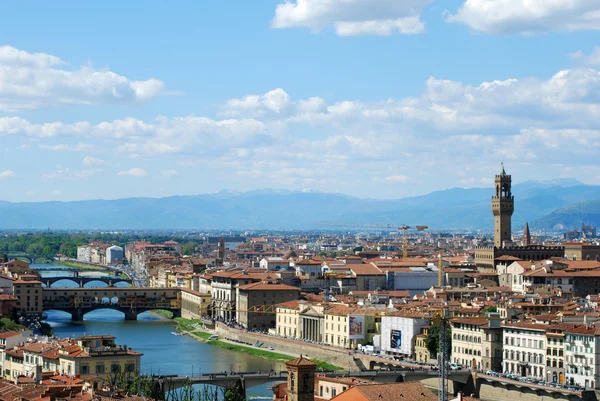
[124, 283]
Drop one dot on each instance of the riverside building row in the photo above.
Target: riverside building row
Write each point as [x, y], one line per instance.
[24, 357]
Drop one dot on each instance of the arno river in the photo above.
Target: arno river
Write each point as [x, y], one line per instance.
[164, 353]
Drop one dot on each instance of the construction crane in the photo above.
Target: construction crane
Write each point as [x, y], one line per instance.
[404, 228]
[441, 319]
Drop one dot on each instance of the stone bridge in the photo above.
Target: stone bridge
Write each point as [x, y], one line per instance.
[252, 379]
[82, 281]
[498, 388]
[130, 301]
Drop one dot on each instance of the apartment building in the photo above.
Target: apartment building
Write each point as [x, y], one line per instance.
[97, 356]
[351, 326]
[525, 349]
[256, 303]
[224, 286]
[555, 353]
[477, 342]
[582, 356]
[28, 290]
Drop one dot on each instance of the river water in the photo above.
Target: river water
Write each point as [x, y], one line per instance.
[164, 353]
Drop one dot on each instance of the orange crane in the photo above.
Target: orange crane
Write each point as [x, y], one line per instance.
[404, 228]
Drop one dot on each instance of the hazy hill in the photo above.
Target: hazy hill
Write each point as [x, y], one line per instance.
[572, 216]
[282, 209]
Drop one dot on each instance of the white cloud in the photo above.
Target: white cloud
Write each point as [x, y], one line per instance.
[92, 161]
[133, 172]
[64, 174]
[592, 59]
[325, 145]
[274, 101]
[516, 17]
[38, 80]
[63, 147]
[56, 192]
[352, 17]
[169, 173]
[11, 56]
[7, 174]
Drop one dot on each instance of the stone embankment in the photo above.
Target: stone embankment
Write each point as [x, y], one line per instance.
[338, 357]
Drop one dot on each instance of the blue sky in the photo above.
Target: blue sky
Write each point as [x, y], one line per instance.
[373, 98]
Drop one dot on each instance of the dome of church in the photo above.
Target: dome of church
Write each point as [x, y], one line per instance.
[290, 253]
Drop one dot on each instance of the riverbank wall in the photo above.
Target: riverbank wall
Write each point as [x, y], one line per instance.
[340, 358]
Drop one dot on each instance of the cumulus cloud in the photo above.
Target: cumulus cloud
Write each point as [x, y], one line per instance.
[449, 127]
[517, 17]
[274, 101]
[7, 174]
[353, 17]
[133, 172]
[38, 80]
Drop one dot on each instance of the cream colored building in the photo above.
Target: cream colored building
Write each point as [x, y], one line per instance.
[477, 342]
[301, 320]
[422, 353]
[194, 305]
[84, 356]
[348, 327]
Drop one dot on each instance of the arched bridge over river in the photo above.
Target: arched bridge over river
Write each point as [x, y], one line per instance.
[129, 301]
[82, 281]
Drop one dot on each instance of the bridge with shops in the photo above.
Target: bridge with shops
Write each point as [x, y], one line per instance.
[82, 281]
[130, 301]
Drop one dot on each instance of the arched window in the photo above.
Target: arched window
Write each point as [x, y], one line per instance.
[306, 382]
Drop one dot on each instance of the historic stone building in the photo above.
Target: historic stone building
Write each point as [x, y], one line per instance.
[503, 206]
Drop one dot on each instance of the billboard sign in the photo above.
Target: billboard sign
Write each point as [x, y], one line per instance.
[395, 339]
[356, 327]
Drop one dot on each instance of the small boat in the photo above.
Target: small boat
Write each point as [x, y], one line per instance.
[176, 333]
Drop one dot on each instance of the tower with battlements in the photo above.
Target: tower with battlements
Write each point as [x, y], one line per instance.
[503, 206]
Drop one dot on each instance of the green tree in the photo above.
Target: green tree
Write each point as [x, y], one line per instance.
[235, 393]
[433, 340]
[490, 309]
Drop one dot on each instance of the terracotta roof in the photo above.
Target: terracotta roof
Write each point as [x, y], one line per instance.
[414, 391]
[8, 334]
[302, 361]
[260, 286]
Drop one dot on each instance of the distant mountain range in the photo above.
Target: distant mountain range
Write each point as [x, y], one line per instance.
[545, 204]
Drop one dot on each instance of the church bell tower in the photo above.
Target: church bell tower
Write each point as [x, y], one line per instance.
[503, 206]
[301, 379]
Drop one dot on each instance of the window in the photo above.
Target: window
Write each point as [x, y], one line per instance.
[100, 368]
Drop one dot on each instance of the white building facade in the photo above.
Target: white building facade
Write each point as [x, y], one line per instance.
[399, 331]
[582, 358]
[524, 347]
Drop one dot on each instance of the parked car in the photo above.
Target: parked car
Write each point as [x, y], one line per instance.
[455, 366]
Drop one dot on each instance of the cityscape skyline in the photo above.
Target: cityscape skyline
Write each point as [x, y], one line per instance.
[381, 101]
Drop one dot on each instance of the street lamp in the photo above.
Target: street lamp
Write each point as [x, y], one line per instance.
[192, 370]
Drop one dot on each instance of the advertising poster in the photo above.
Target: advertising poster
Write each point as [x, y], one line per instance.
[395, 339]
[356, 327]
